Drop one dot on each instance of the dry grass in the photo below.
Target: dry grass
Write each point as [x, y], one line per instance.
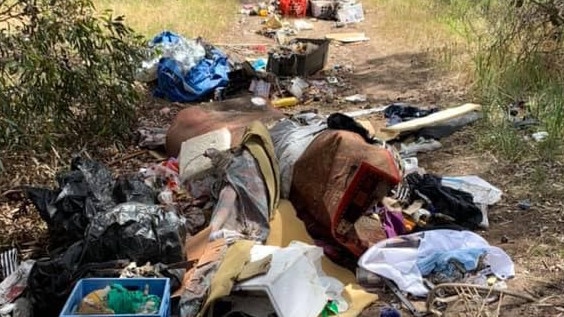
[412, 23]
[191, 18]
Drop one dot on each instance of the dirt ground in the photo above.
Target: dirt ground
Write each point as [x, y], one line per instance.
[386, 70]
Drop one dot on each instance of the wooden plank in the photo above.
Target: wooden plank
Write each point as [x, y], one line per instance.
[432, 119]
[347, 37]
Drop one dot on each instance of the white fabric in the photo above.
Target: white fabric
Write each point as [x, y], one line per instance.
[396, 258]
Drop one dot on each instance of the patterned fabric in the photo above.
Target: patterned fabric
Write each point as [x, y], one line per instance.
[336, 180]
[9, 262]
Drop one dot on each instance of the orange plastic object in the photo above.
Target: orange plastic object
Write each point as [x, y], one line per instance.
[294, 8]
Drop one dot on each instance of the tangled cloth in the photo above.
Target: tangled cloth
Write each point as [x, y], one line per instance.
[123, 301]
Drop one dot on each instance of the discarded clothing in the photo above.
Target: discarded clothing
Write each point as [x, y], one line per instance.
[247, 186]
[291, 139]
[421, 145]
[116, 299]
[215, 273]
[400, 112]
[445, 200]
[450, 266]
[391, 220]
[198, 83]
[396, 258]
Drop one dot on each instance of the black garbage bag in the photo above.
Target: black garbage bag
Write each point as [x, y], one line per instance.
[138, 232]
[50, 281]
[83, 191]
[133, 189]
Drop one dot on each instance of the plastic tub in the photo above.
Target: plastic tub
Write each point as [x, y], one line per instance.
[157, 286]
[301, 64]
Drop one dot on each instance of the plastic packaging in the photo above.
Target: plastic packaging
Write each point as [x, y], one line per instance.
[187, 53]
[482, 191]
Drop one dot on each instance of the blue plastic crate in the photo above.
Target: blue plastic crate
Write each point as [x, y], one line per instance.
[157, 286]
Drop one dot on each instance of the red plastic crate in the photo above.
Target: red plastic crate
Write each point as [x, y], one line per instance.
[294, 8]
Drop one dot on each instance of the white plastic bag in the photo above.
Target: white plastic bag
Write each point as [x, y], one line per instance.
[482, 191]
[396, 258]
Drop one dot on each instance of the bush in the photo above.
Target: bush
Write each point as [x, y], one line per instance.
[517, 54]
[66, 73]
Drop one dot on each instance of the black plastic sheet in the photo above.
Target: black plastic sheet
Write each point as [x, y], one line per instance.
[138, 232]
[82, 192]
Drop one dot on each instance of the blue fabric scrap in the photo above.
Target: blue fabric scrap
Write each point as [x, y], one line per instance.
[441, 262]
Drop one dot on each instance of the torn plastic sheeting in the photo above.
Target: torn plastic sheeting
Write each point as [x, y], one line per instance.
[15, 284]
[132, 189]
[187, 53]
[138, 232]
[482, 191]
[83, 192]
[396, 258]
[200, 81]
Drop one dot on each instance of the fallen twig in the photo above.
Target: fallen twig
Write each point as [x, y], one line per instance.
[127, 157]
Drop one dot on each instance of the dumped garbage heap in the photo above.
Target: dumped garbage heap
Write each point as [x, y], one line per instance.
[97, 225]
[243, 213]
[256, 213]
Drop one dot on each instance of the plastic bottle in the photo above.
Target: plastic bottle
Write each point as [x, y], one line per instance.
[285, 102]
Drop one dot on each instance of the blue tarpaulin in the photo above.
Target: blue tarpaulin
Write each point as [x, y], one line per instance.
[208, 74]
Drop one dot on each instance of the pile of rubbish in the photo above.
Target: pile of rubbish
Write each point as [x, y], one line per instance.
[187, 71]
[343, 11]
[257, 213]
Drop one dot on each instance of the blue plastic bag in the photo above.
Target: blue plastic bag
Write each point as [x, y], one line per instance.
[177, 85]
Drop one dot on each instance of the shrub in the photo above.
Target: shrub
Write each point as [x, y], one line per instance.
[517, 51]
[66, 73]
